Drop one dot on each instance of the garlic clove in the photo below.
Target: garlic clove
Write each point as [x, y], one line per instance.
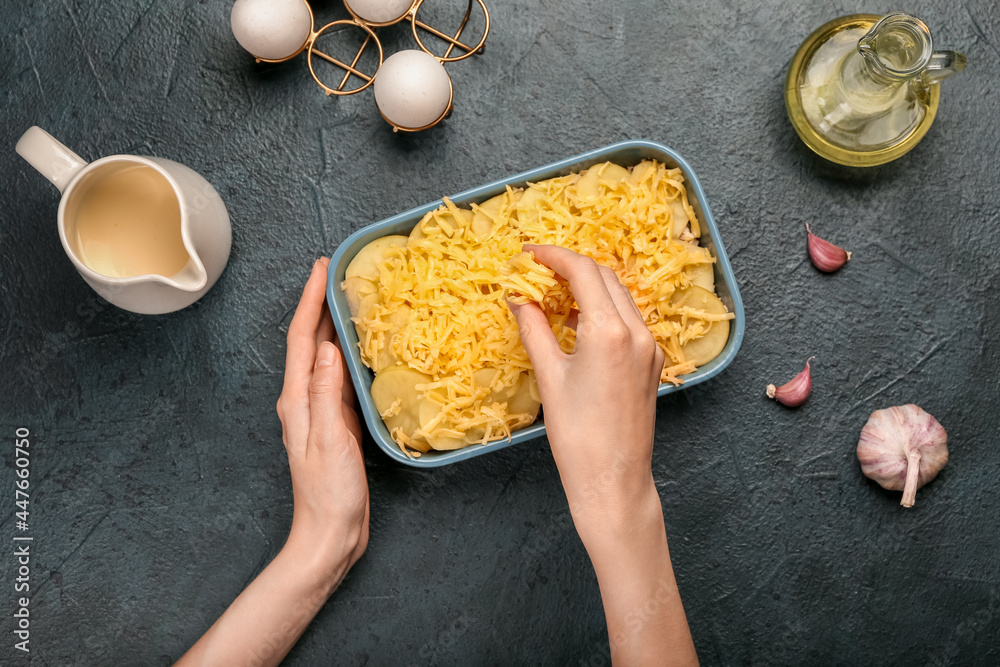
[902, 448]
[794, 392]
[824, 255]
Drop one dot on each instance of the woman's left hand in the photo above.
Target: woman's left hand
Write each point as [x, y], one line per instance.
[330, 521]
[322, 436]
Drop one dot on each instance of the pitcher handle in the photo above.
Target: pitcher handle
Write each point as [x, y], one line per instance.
[46, 154]
[942, 65]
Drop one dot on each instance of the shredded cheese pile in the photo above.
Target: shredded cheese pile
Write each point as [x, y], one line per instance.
[442, 297]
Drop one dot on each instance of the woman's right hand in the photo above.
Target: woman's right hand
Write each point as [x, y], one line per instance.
[600, 400]
[600, 405]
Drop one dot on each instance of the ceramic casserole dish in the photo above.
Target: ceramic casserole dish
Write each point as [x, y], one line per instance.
[627, 154]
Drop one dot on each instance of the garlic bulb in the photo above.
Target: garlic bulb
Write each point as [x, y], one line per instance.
[902, 448]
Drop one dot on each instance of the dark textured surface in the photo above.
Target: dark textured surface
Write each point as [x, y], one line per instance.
[161, 486]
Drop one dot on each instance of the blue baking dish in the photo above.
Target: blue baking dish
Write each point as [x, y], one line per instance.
[625, 153]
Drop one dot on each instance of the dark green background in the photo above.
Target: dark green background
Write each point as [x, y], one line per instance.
[160, 482]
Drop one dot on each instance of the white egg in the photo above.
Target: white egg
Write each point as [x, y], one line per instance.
[379, 11]
[412, 89]
[271, 29]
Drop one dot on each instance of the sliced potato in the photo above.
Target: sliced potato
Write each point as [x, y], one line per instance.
[355, 289]
[365, 306]
[486, 377]
[702, 350]
[365, 263]
[702, 275]
[443, 443]
[398, 319]
[527, 205]
[494, 205]
[612, 174]
[485, 213]
[474, 435]
[533, 386]
[678, 218]
[640, 173]
[588, 188]
[430, 408]
[400, 384]
[525, 399]
[433, 221]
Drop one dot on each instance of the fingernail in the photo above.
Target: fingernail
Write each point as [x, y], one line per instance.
[324, 356]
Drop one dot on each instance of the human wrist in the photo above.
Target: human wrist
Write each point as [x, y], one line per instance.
[613, 522]
[324, 558]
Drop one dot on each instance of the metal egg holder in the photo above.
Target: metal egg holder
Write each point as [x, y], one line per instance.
[309, 46]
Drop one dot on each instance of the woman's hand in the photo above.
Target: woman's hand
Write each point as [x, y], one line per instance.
[322, 436]
[599, 401]
[330, 520]
[600, 406]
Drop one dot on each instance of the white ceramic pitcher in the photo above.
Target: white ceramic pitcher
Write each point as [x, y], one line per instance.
[205, 229]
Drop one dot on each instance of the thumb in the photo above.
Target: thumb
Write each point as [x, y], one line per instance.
[325, 392]
[536, 334]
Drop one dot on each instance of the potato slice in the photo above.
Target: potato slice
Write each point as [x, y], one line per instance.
[430, 408]
[365, 264]
[443, 443]
[525, 399]
[398, 319]
[355, 289]
[484, 215]
[702, 275]
[432, 221]
[474, 436]
[702, 350]
[640, 173]
[533, 386]
[588, 188]
[400, 384]
[613, 174]
[486, 377]
[527, 205]
[678, 218]
[365, 306]
[494, 205]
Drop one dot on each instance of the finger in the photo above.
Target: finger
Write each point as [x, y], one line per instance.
[631, 300]
[537, 336]
[301, 354]
[623, 300]
[325, 331]
[572, 320]
[326, 419]
[347, 390]
[584, 276]
[352, 421]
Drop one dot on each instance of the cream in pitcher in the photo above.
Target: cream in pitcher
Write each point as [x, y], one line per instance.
[149, 235]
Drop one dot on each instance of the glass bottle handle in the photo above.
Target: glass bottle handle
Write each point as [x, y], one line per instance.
[942, 65]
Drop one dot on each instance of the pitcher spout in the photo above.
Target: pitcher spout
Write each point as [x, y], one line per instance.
[192, 278]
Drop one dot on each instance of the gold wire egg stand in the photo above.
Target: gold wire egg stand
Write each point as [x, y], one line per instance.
[454, 42]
